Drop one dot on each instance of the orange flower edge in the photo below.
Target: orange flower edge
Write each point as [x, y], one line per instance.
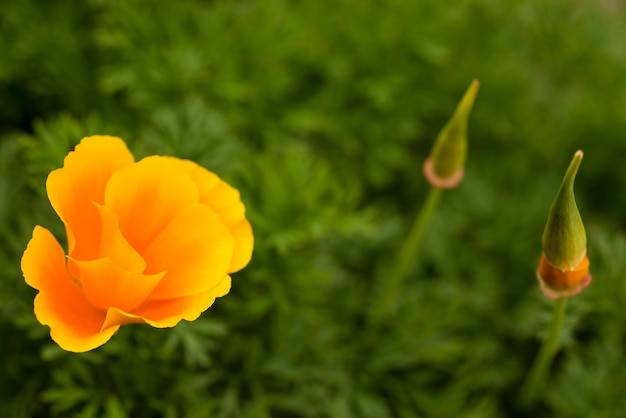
[441, 183]
[74, 323]
[556, 283]
[150, 242]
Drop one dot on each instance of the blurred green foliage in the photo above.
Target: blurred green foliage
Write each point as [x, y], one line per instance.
[321, 113]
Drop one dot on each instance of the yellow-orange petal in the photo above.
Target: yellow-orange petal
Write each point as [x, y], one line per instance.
[204, 179]
[74, 324]
[113, 244]
[195, 249]
[82, 180]
[106, 285]
[168, 313]
[146, 196]
[226, 202]
[557, 283]
[116, 317]
[244, 243]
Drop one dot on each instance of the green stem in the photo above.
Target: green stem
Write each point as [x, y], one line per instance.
[405, 258]
[537, 376]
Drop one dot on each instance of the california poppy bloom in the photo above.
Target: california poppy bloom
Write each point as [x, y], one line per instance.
[151, 242]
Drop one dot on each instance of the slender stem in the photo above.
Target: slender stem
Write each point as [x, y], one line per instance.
[405, 258]
[537, 376]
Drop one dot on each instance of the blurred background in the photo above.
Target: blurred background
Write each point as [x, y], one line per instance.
[321, 113]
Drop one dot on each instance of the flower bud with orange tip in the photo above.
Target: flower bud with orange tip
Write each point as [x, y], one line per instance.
[563, 269]
[445, 167]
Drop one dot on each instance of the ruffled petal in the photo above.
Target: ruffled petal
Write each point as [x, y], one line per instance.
[226, 202]
[74, 324]
[195, 249]
[106, 285]
[168, 313]
[147, 196]
[116, 317]
[81, 181]
[204, 179]
[244, 243]
[113, 244]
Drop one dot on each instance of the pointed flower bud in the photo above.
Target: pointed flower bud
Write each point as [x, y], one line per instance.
[445, 167]
[563, 269]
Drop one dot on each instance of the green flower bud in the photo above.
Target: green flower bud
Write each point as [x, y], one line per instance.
[445, 167]
[563, 269]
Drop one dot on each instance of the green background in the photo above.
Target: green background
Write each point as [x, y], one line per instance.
[321, 113]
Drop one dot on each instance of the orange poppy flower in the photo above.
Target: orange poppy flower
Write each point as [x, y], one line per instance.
[149, 242]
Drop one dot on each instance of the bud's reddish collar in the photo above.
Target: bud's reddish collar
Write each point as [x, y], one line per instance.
[556, 283]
